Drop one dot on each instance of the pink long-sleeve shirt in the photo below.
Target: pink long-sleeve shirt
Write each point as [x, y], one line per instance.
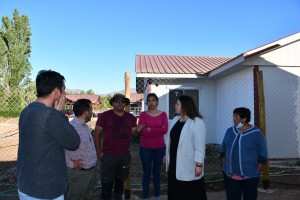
[158, 127]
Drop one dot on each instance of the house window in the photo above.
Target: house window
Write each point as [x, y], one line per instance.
[173, 96]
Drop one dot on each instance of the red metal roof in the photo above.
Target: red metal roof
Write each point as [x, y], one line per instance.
[162, 64]
[95, 99]
[135, 97]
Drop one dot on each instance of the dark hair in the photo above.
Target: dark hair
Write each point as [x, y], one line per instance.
[47, 80]
[119, 96]
[243, 113]
[188, 106]
[80, 106]
[152, 95]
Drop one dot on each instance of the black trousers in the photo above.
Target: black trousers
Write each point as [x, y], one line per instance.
[183, 190]
[114, 172]
[236, 188]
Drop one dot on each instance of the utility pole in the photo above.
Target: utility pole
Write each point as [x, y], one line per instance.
[127, 89]
[127, 108]
[262, 124]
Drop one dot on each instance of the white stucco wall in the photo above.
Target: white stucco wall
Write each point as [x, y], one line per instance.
[207, 100]
[218, 98]
[282, 101]
[287, 55]
[233, 91]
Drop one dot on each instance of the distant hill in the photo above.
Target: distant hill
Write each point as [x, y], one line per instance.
[132, 90]
[78, 91]
[74, 91]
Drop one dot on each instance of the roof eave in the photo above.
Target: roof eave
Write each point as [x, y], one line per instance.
[223, 69]
[152, 75]
[262, 51]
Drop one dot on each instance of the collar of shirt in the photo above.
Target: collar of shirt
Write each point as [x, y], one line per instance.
[79, 121]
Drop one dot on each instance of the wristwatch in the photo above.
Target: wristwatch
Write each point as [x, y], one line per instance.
[199, 165]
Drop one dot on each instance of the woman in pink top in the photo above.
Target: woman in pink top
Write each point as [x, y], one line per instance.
[153, 124]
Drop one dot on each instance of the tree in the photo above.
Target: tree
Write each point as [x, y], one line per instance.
[90, 91]
[15, 67]
[105, 102]
[15, 51]
[30, 93]
[77, 91]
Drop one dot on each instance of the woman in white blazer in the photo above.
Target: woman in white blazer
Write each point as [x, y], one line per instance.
[185, 152]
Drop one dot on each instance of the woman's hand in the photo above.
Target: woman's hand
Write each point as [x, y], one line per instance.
[165, 159]
[198, 171]
[140, 128]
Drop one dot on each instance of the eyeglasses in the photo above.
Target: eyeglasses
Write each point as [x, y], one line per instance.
[120, 101]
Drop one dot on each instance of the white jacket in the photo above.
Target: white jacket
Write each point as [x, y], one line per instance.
[190, 150]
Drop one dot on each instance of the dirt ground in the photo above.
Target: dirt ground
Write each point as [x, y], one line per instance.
[281, 188]
[276, 192]
[9, 138]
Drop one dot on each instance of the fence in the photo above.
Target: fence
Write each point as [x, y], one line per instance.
[216, 100]
[135, 111]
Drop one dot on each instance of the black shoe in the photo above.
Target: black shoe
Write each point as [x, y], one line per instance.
[127, 194]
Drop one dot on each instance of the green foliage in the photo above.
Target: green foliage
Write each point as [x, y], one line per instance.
[15, 51]
[9, 113]
[13, 102]
[3, 102]
[30, 93]
[16, 89]
[105, 102]
[90, 91]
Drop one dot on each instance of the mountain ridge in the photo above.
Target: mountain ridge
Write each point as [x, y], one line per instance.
[79, 91]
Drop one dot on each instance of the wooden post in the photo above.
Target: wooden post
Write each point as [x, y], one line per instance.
[256, 98]
[127, 89]
[127, 108]
[262, 123]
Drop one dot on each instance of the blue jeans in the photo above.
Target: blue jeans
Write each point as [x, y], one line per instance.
[151, 160]
[236, 188]
[23, 196]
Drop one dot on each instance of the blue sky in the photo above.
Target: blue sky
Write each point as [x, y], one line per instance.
[94, 42]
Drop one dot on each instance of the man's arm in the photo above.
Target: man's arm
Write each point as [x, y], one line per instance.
[59, 128]
[97, 141]
[135, 130]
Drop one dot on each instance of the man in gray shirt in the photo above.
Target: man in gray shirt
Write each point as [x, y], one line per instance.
[44, 134]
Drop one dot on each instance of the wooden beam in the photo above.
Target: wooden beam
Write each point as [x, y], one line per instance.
[127, 108]
[127, 89]
[262, 123]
